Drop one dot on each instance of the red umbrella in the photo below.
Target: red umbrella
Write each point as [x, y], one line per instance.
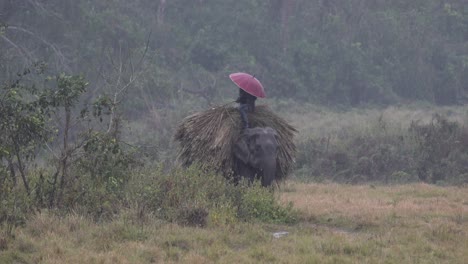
[248, 83]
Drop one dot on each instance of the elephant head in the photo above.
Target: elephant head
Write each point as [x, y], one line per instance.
[255, 154]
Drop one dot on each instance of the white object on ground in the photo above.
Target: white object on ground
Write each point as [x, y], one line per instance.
[280, 234]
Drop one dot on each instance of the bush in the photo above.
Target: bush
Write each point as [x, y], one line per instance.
[195, 196]
[441, 150]
[260, 203]
[355, 158]
[15, 206]
[434, 152]
[401, 177]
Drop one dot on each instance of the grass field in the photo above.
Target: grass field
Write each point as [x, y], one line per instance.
[416, 223]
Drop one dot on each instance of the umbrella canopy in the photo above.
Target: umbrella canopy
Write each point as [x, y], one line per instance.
[248, 83]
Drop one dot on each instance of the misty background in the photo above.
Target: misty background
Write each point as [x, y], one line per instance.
[148, 64]
[345, 53]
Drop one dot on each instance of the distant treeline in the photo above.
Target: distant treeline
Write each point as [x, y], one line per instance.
[322, 51]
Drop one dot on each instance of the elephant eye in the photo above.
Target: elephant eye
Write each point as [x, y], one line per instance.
[270, 149]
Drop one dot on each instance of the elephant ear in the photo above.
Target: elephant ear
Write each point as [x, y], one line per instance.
[241, 150]
[273, 132]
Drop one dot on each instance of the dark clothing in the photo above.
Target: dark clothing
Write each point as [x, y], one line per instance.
[243, 109]
[247, 99]
[246, 104]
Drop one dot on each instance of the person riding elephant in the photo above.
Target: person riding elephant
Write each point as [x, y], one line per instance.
[249, 89]
[246, 105]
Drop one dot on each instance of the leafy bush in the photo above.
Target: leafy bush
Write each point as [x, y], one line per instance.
[441, 150]
[401, 177]
[99, 176]
[15, 206]
[434, 152]
[260, 203]
[195, 196]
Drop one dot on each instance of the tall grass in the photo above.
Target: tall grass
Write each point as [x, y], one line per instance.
[198, 197]
[391, 145]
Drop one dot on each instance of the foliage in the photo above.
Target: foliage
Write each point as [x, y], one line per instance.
[87, 167]
[15, 207]
[99, 176]
[68, 90]
[197, 197]
[358, 159]
[387, 152]
[260, 203]
[359, 52]
[441, 150]
[23, 124]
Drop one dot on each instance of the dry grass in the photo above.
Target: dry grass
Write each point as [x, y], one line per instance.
[340, 224]
[375, 203]
[208, 137]
[412, 223]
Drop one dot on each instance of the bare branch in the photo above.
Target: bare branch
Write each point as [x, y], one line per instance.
[123, 83]
[61, 57]
[51, 151]
[25, 55]
[44, 10]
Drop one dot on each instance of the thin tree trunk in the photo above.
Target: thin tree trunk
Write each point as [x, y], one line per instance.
[54, 188]
[21, 170]
[65, 154]
[11, 167]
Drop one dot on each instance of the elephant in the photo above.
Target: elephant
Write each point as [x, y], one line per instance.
[255, 155]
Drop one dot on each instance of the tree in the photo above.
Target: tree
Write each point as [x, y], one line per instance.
[23, 124]
[66, 95]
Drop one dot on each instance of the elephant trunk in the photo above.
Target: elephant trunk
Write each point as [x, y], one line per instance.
[269, 171]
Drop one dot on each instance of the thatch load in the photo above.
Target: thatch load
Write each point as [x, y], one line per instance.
[208, 137]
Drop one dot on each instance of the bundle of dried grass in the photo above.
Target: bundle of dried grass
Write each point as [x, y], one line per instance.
[208, 137]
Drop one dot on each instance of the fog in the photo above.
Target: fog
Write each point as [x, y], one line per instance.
[324, 52]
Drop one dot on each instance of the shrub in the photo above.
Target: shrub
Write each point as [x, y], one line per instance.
[196, 196]
[260, 203]
[440, 150]
[434, 152]
[15, 205]
[402, 177]
[355, 158]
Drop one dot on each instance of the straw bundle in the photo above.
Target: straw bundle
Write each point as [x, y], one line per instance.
[208, 137]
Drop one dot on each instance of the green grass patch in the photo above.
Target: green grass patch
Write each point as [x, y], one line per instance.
[198, 197]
